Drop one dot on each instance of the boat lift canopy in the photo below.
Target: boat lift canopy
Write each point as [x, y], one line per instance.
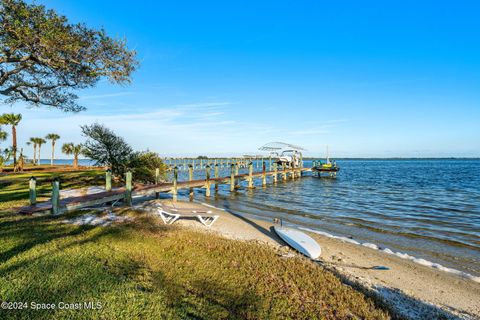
[276, 146]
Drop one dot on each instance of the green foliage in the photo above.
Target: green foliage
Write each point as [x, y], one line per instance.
[52, 136]
[143, 165]
[44, 58]
[73, 149]
[3, 135]
[4, 157]
[10, 119]
[106, 148]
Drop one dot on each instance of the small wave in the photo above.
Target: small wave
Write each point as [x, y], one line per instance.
[402, 255]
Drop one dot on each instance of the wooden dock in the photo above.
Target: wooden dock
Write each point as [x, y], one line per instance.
[124, 194]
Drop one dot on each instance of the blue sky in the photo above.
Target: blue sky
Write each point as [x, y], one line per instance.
[369, 78]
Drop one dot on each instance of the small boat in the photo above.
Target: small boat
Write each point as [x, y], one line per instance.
[300, 241]
[329, 166]
[284, 154]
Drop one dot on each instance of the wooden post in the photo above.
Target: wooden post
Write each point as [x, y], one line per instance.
[175, 178]
[190, 178]
[207, 181]
[293, 170]
[157, 181]
[32, 190]
[250, 175]
[55, 196]
[108, 180]
[275, 173]
[264, 173]
[128, 189]
[201, 163]
[193, 163]
[216, 176]
[232, 177]
[270, 163]
[284, 174]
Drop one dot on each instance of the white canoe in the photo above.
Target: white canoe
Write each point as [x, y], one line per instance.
[299, 241]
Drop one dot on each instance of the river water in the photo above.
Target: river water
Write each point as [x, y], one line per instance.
[429, 209]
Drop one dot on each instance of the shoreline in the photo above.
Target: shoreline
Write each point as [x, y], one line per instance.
[410, 289]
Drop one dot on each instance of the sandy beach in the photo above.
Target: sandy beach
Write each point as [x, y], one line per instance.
[410, 289]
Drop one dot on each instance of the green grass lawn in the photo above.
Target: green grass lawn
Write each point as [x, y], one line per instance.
[14, 187]
[146, 270]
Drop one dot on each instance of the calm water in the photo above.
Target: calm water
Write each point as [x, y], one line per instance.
[427, 208]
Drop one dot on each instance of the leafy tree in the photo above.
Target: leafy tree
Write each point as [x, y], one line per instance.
[12, 120]
[106, 148]
[53, 137]
[40, 141]
[75, 149]
[3, 135]
[44, 58]
[4, 157]
[143, 165]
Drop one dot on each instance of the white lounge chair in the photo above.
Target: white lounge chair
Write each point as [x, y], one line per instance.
[171, 215]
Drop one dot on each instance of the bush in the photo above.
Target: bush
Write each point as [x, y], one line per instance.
[143, 165]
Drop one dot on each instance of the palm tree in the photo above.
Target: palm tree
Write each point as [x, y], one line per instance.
[75, 149]
[13, 120]
[54, 137]
[3, 135]
[33, 142]
[40, 141]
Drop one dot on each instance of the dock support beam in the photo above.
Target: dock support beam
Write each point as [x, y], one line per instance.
[284, 174]
[128, 188]
[232, 177]
[175, 179]
[55, 196]
[207, 180]
[108, 180]
[32, 190]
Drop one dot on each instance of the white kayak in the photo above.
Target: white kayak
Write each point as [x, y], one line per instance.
[299, 241]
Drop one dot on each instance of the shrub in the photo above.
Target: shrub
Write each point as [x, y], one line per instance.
[143, 165]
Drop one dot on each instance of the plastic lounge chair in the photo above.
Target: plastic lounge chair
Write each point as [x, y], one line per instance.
[170, 216]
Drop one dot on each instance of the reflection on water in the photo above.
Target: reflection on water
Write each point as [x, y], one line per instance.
[427, 208]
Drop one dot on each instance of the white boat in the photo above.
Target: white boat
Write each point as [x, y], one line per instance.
[284, 153]
[300, 241]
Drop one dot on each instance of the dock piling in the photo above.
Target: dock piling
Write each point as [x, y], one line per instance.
[250, 175]
[175, 179]
[216, 175]
[284, 174]
[55, 196]
[190, 178]
[264, 173]
[157, 181]
[32, 190]
[207, 180]
[108, 180]
[232, 177]
[128, 188]
[274, 173]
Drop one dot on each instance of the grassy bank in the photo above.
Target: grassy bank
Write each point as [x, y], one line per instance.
[14, 187]
[143, 269]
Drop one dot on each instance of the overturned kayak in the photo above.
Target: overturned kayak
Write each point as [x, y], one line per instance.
[300, 241]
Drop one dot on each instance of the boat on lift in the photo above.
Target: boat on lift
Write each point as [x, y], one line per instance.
[284, 153]
[327, 166]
